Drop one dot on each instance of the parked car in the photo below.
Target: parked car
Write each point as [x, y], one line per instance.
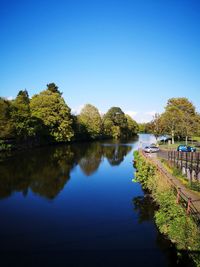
[151, 149]
[184, 148]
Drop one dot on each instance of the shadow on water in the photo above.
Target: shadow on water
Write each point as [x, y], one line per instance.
[46, 171]
[145, 208]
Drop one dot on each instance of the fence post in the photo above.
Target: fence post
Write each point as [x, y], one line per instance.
[191, 165]
[186, 164]
[197, 166]
[174, 158]
[177, 162]
[181, 160]
[188, 205]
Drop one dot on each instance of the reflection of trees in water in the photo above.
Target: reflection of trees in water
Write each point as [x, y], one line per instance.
[54, 174]
[145, 207]
[91, 158]
[92, 154]
[116, 153]
[45, 172]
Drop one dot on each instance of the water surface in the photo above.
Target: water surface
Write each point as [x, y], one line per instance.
[76, 205]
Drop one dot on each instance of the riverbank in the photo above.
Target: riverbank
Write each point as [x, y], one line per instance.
[171, 218]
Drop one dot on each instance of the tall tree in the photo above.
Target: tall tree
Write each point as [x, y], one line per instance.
[198, 124]
[171, 121]
[188, 125]
[80, 131]
[21, 116]
[183, 104]
[53, 88]
[90, 119]
[132, 126]
[115, 123]
[6, 123]
[51, 108]
[180, 117]
[21, 103]
[156, 126]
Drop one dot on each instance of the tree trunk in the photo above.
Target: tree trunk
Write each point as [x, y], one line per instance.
[172, 137]
[156, 139]
[186, 140]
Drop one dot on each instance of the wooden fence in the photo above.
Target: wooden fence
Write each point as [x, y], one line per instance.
[187, 162]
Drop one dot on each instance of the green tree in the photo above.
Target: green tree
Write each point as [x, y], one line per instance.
[188, 118]
[90, 120]
[80, 131]
[142, 127]
[183, 104]
[180, 118]
[21, 116]
[21, 107]
[132, 126]
[189, 126]
[156, 126]
[115, 123]
[198, 124]
[51, 108]
[6, 123]
[171, 121]
[53, 88]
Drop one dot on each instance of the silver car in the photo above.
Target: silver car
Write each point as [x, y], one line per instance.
[151, 149]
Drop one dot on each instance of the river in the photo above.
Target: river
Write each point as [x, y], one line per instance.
[76, 205]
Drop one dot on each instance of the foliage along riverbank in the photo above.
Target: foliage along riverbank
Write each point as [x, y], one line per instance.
[170, 218]
[46, 118]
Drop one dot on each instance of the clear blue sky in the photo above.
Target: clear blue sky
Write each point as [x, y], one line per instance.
[132, 54]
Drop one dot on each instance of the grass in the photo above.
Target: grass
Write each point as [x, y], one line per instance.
[197, 138]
